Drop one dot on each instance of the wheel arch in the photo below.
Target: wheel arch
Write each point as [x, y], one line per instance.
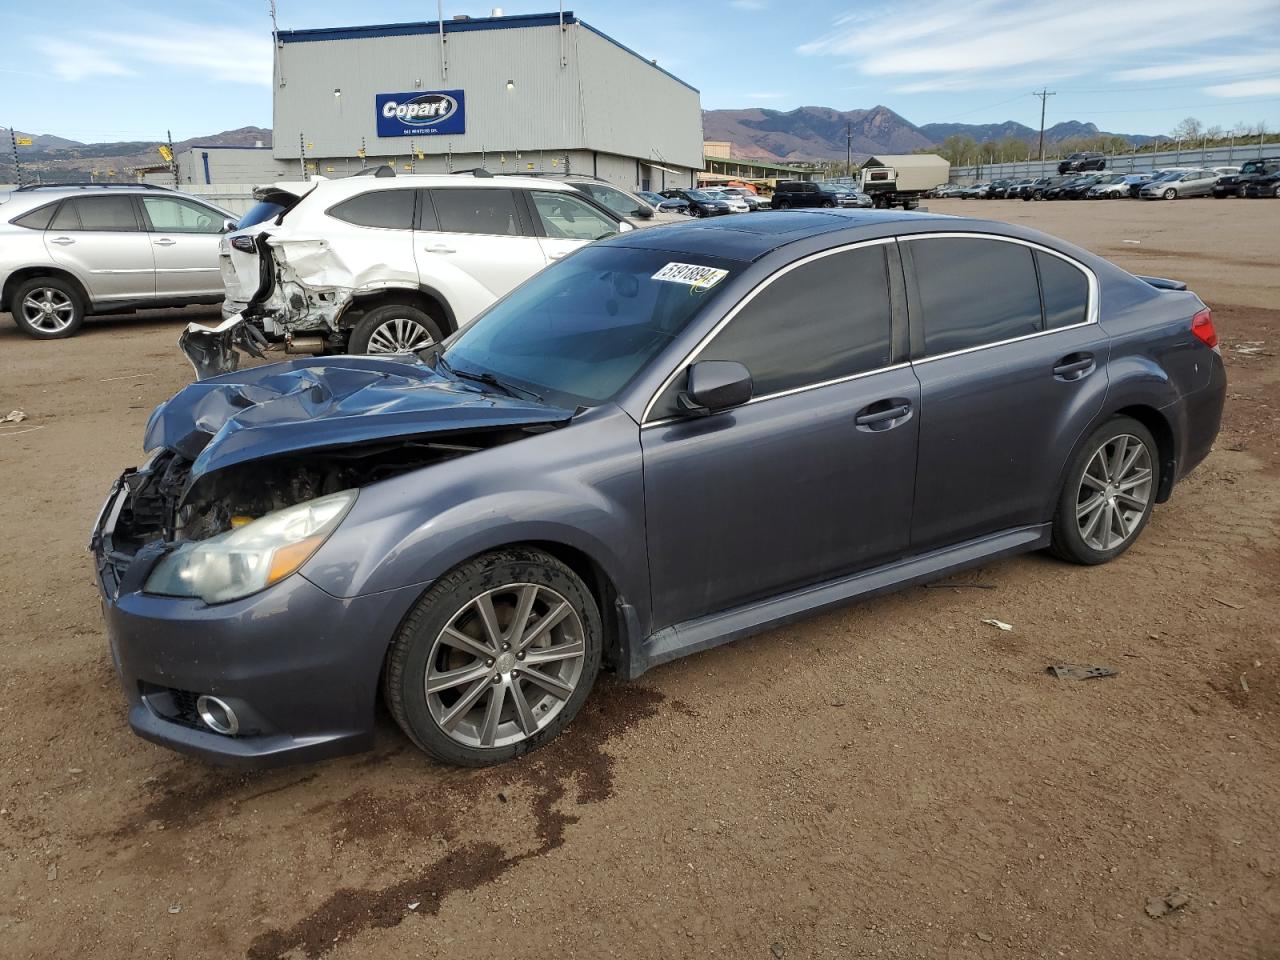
[1166, 446]
[20, 276]
[425, 298]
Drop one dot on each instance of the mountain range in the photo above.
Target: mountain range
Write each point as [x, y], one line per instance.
[824, 133]
[803, 134]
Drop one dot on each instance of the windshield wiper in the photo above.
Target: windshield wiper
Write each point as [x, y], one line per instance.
[488, 379]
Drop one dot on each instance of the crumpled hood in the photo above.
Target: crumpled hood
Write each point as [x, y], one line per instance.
[317, 402]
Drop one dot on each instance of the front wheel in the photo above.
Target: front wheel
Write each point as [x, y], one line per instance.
[1109, 493]
[1171, 194]
[496, 659]
[394, 328]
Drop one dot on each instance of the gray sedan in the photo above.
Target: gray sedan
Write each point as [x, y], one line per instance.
[1186, 183]
[666, 441]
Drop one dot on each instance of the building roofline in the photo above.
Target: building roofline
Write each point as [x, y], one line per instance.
[432, 28]
[224, 146]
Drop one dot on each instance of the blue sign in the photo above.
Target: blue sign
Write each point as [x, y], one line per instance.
[420, 114]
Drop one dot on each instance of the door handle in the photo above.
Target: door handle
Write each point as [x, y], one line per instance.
[1074, 366]
[62, 241]
[439, 248]
[164, 242]
[883, 414]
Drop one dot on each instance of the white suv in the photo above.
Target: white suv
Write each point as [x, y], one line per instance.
[388, 264]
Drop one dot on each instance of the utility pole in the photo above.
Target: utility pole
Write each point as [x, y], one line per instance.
[1044, 96]
[848, 150]
[17, 164]
[173, 161]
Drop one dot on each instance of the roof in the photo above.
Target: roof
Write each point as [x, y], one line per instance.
[923, 160]
[750, 236]
[432, 28]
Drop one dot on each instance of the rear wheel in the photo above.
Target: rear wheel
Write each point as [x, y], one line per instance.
[781, 205]
[1109, 493]
[394, 328]
[48, 308]
[496, 659]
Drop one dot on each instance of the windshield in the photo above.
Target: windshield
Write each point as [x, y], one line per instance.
[260, 212]
[697, 195]
[579, 331]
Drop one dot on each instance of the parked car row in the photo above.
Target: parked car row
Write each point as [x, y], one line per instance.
[1256, 178]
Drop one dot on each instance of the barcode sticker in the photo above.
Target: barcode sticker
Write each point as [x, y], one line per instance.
[691, 274]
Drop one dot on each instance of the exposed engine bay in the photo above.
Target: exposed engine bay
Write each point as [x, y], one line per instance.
[164, 504]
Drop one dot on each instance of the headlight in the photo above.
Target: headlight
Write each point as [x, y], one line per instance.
[253, 557]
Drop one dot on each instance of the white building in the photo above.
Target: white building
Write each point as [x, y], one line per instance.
[539, 93]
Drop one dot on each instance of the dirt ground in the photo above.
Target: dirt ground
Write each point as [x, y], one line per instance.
[897, 780]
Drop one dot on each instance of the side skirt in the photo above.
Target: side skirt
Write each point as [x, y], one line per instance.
[682, 639]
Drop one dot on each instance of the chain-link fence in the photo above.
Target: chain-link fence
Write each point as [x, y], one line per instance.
[1230, 155]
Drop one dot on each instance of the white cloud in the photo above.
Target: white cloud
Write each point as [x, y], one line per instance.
[1201, 66]
[74, 62]
[945, 46]
[1246, 88]
[164, 48]
[228, 54]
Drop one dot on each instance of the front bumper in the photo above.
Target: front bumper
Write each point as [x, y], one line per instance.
[299, 666]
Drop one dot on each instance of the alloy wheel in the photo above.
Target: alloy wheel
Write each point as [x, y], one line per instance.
[1115, 492]
[48, 310]
[399, 335]
[505, 665]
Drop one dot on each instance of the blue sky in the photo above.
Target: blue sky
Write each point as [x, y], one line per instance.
[129, 70]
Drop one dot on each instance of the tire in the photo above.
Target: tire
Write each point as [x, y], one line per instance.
[1090, 538]
[421, 652]
[782, 205]
[1240, 192]
[1171, 194]
[394, 325]
[48, 308]
[1038, 195]
[1276, 192]
[828, 204]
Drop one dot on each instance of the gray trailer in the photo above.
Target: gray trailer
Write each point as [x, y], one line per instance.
[901, 180]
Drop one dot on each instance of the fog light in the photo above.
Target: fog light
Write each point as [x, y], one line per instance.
[217, 715]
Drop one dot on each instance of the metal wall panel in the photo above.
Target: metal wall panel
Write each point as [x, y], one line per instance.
[631, 108]
[604, 97]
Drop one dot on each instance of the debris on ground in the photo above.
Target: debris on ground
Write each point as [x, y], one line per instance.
[175, 908]
[777, 950]
[1157, 907]
[984, 937]
[1227, 603]
[1074, 671]
[415, 905]
[1249, 348]
[999, 624]
[963, 585]
[53, 873]
[13, 416]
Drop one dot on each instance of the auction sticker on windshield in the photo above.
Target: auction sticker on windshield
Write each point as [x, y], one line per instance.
[692, 274]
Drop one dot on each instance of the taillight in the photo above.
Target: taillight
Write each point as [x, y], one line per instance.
[1202, 327]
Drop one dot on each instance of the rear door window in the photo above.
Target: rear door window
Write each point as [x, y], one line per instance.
[388, 209]
[114, 214]
[490, 211]
[973, 292]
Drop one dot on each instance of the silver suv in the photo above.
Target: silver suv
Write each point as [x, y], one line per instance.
[69, 250]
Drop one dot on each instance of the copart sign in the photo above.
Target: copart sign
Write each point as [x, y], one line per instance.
[420, 113]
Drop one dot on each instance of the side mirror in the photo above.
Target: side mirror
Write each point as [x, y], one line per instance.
[228, 226]
[644, 213]
[625, 227]
[715, 385]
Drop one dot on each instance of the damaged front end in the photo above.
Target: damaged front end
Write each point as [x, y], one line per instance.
[232, 450]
